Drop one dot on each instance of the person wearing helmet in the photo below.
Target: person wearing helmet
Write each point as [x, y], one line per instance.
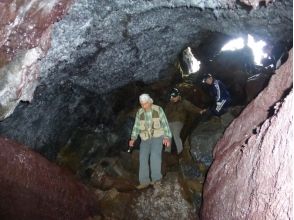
[176, 112]
[218, 90]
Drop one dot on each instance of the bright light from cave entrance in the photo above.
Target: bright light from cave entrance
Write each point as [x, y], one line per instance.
[192, 63]
[256, 47]
[235, 44]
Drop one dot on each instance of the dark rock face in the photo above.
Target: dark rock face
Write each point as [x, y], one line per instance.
[48, 122]
[107, 45]
[250, 177]
[205, 136]
[34, 188]
[99, 47]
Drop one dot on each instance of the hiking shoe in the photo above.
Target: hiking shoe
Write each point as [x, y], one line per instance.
[142, 186]
[156, 184]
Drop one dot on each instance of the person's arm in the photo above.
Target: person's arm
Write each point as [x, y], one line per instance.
[164, 124]
[217, 91]
[225, 94]
[192, 108]
[167, 133]
[135, 131]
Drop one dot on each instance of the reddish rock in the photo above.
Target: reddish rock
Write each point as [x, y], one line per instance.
[25, 35]
[251, 176]
[34, 188]
[22, 24]
[255, 85]
[262, 105]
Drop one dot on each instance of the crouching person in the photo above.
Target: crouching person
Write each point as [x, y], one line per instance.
[152, 126]
[218, 90]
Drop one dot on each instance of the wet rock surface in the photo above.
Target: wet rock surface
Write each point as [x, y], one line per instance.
[178, 196]
[167, 201]
[164, 202]
[205, 136]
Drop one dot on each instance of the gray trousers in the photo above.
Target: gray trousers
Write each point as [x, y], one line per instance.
[150, 148]
[176, 128]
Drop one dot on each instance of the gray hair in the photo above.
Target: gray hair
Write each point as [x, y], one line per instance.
[145, 98]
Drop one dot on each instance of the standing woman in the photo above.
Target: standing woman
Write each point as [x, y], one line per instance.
[152, 126]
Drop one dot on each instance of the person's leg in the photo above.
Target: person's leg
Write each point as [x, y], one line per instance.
[213, 111]
[155, 159]
[145, 148]
[227, 104]
[221, 109]
[176, 128]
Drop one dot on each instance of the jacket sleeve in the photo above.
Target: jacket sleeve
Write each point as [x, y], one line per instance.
[164, 124]
[136, 127]
[217, 91]
[190, 107]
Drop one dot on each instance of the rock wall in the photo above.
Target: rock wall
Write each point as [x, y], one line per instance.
[251, 175]
[34, 188]
[25, 35]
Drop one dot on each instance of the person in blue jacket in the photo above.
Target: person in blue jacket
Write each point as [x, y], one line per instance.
[220, 93]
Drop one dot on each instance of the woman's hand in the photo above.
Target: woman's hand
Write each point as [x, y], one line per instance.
[131, 143]
[202, 111]
[166, 142]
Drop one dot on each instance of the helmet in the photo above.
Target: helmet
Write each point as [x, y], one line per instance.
[175, 92]
[205, 77]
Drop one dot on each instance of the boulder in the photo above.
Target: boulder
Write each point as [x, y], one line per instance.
[34, 188]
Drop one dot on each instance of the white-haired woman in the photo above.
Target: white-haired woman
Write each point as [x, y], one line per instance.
[152, 126]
